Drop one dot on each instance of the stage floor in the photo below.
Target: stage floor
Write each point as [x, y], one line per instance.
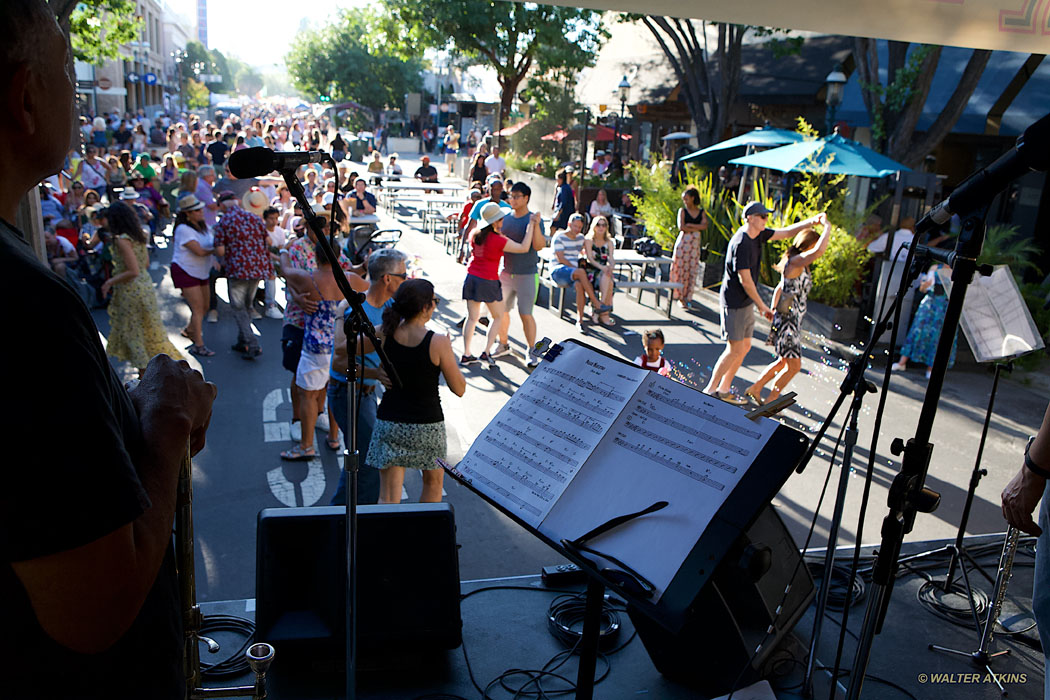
[505, 627]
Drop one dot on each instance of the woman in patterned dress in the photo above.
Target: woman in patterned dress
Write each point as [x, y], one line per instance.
[921, 343]
[685, 261]
[136, 332]
[789, 304]
[598, 247]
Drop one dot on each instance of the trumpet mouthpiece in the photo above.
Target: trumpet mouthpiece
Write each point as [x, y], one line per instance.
[260, 656]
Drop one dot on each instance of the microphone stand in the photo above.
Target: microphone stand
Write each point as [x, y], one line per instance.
[859, 386]
[355, 324]
[908, 494]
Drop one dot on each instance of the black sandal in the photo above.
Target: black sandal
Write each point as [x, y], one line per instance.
[200, 351]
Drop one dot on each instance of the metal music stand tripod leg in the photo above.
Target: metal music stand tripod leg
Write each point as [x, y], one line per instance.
[592, 632]
[862, 387]
[981, 657]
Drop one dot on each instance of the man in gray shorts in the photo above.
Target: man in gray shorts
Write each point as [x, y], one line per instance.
[518, 277]
[739, 294]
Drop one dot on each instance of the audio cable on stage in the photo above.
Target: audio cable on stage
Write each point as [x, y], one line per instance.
[564, 620]
[235, 664]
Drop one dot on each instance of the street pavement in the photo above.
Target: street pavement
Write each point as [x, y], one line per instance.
[239, 472]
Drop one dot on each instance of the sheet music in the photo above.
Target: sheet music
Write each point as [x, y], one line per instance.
[671, 443]
[995, 318]
[534, 447]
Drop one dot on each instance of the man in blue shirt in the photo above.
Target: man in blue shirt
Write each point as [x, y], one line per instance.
[386, 272]
[518, 277]
[564, 202]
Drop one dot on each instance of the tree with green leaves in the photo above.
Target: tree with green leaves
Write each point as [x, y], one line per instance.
[98, 28]
[348, 59]
[197, 94]
[895, 107]
[517, 39]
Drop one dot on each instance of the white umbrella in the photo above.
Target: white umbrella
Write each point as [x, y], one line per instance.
[678, 136]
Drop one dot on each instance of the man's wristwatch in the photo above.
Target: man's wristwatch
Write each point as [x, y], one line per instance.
[1032, 466]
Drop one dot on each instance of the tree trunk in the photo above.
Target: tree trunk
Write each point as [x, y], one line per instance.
[509, 88]
[948, 117]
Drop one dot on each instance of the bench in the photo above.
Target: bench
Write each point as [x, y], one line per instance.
[656, 287]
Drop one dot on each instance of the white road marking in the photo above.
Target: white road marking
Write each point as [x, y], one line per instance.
[270, 403]
[211, 571]
[312, 486]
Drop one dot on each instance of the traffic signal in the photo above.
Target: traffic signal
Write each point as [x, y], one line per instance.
[324, 98]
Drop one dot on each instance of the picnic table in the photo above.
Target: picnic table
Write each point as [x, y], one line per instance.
[636, 278]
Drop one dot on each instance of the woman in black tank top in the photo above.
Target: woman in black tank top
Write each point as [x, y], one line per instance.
[410, 426]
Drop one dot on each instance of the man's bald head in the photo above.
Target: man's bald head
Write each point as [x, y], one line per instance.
[37, 98]
[24, 22]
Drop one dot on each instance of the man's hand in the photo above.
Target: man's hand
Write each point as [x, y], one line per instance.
[1020, 498]
[383, 378]
[173, 400]
[767, 312]
[304, 302]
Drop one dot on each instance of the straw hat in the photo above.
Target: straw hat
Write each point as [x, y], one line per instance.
[492, 212]
[255, 201]
[189, 202]
[128, 195]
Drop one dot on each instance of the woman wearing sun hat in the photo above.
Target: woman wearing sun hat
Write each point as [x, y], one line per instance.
[482, 285]
[191, 263]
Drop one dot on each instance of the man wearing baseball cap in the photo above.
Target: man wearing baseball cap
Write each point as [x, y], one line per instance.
[739, 293]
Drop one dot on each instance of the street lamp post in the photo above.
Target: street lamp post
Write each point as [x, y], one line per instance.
[180, 56]
[836, 83]
[624, 89]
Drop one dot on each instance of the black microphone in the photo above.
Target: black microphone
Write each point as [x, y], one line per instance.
[258, 161]
[1032, 152]
[939, 254]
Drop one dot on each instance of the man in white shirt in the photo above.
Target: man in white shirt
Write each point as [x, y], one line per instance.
[494, 164]
[277, 243]
[888, 285]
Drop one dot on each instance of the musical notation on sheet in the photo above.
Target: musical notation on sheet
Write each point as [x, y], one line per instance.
[669, 443]
[540, 438]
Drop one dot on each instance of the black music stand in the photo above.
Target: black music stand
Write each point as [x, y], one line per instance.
[999, 328]
[669, 603]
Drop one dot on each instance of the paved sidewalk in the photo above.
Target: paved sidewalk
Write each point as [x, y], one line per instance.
[693, 345]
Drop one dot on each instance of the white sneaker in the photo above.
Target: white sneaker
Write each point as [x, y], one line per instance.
[213, 316]
[501, 350]
[533, 363]
[273, 312]
[254, 313]
[297, 431]
[322, 422]
[898, 367]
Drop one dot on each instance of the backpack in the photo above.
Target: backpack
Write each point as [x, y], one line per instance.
[648, 247]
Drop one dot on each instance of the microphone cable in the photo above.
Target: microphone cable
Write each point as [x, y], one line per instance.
[236, 664]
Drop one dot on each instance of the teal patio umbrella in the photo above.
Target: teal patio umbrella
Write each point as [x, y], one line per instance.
[833, 154]
[738, 146]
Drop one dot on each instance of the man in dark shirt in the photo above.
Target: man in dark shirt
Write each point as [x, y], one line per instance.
[363, 202]
[564, 203]
[218, 149]
[88, 590]
[739, 293]
[426, 172]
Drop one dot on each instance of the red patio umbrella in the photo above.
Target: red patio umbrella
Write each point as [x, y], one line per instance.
[511, 130]
[559, 135]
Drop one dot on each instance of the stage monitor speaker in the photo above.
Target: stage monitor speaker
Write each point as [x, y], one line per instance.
[730, 616]
[408, 579]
